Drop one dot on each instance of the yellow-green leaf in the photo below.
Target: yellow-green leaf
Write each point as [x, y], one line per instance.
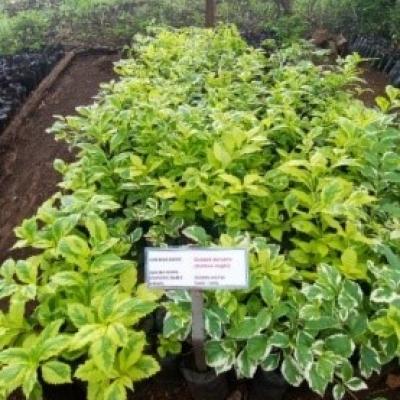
[56, 372]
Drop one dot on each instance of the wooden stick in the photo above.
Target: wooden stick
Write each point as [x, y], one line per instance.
[198, 335]
[211, 13]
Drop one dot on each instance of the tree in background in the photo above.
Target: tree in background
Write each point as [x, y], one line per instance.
[211, 13]
[285, 6]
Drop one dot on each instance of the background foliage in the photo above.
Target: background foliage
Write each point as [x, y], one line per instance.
[34, 23]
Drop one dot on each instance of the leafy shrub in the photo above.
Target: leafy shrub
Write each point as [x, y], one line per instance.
[86, 303]
[206, 139]
[27, 30]
[231, 140]
[371, 17]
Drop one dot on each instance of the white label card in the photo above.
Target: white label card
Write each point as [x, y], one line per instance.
[196, 268]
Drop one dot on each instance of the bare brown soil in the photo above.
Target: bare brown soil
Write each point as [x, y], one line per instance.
[27, 177]
[374, 86]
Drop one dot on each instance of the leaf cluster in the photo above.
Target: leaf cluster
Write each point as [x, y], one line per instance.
[206, 140]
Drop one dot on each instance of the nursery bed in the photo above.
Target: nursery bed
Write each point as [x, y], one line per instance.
[27, 177]
[167, 387]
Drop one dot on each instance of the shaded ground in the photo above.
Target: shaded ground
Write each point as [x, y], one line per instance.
[27, 177]
[375, 83]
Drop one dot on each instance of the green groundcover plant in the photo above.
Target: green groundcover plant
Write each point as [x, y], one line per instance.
[205, 140]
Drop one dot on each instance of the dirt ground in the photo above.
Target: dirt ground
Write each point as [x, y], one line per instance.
[27, 177]
[375, 83]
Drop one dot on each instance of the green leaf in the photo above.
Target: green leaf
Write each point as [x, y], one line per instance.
[197, 234]
[136, 235]
[68, 279]
[245, 366]
[103, 354]
[26, 271]
[221, 154]
[322, 323]
[131, 310]
[56, 372]
[355, 384]
[317, 381]
[279, 340]
[349, 258]
[132, 351]
[53, 347]
[74, 249]
[111, 264]
[89, 372]
[86, 334]
[97, 228]
[268, 292]
[338, 391]
[291, 371]
[145, 367]
[244, 329]
[383, 295]
[128, 279]
[172, 325]
[118, 334]
[95, 390]
[64, 225]
[303, 355]
[263, 319]
[220, 354]
[369, 361]
[107, 306]
[30, 381]
[213, 324]
[340, 344]
[12, 376]
[258, 347]
[7, 269]
[80, 315]
[350, 295]
[306, 227]
[14, 355]
[271, 362]
[116, 391]
[382, 327]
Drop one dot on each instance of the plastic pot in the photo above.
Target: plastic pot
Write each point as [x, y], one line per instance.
[389, 65]
[396, 82]
[267, 386]
[170, 369]
[395, 70]
[204, 385]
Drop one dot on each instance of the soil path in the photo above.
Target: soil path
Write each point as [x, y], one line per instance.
[375, 84]
[27, 177]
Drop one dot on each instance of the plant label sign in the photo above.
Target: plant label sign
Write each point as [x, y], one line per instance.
[196, 268]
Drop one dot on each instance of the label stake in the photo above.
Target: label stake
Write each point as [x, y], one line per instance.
[198, 335]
